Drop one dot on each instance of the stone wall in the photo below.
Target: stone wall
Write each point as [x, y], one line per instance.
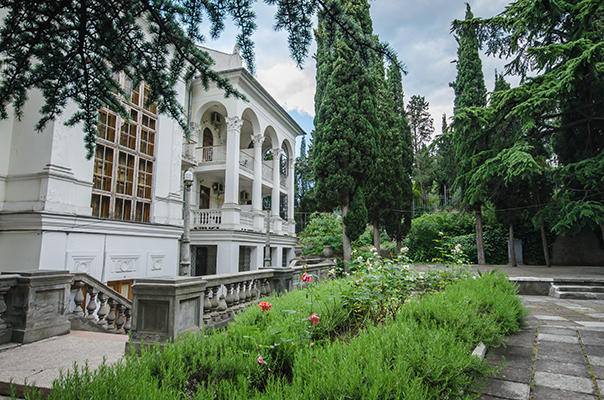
[583, 249]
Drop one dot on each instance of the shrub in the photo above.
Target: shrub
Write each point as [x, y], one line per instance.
[323, 229]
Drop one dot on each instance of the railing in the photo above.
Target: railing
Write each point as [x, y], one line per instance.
[228, 294]
[206, 219]
[283, 181]
[246, 219]
[188, 152]
[102, 305]
[267, 172]
[246, 161]
[215, 154]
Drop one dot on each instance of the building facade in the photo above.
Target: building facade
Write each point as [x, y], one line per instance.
[119, 215]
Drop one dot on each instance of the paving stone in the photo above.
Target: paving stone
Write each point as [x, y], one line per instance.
[594, 350]
[564, 382]
[522, 341]
[556, 367]
[557, 331]
[487, 397]
[598, 372]
[557, 338]
[510, 351]
[562, 323]
[546, 393]
[592, 333]
[595, 360]
[511, 361]
[515, 374]
[572, 358]
[591, 324]
[556, 347]
[599, 315]
[507, 390]
[549, 317]
[591, 341]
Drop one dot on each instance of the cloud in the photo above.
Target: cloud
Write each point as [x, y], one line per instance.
[293, 88]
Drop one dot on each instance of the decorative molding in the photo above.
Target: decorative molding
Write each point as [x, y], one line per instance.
[155, 262]
[84, 264]
[122, 263]
[234, 123]
[258, 140]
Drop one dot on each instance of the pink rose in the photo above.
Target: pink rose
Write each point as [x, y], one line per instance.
[314, 319]
[306, 277]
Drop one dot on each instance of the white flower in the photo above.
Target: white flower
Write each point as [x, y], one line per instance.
[359, 258]
[457, 249]
[370, 268]
[406, 267]
[405, 249]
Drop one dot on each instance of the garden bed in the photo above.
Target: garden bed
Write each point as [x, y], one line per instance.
[325, 342]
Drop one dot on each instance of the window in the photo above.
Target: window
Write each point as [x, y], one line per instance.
[125, 157]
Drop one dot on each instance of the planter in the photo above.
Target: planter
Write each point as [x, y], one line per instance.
[328, 251]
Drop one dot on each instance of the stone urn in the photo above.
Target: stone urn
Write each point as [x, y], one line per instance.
[328, 251]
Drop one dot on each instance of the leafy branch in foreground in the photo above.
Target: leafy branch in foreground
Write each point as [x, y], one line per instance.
[71, 50]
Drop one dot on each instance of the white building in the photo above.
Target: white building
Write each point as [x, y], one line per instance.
[119, 216]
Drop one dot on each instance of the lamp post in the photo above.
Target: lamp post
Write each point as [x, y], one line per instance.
[185, 255]
[267, 245]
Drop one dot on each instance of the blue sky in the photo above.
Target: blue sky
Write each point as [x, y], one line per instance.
[418, 30]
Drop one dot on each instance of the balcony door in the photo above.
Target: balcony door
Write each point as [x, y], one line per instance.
[204, 198]
[208, 142]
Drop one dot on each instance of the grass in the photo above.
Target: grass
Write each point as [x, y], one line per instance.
[423, 353]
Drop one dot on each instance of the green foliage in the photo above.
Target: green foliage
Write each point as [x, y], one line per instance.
[155, 42]
[356, 218]
[425, 352]
[323, 229]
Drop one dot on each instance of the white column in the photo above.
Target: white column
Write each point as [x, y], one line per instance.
[276, 183]
[231, 181]
[291, 181]
[230, 208]
[257, 185]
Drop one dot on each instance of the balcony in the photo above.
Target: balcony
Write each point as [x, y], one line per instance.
[211, 219]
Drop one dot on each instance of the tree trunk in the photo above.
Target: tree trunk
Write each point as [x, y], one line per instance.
[479, 238]
[346, 244]
[376, 236]
[548, 263]
[399, 238]
[512, 247]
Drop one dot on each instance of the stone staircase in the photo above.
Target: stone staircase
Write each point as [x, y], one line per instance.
[583, 289]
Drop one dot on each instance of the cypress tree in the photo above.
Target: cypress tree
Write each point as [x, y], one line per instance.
[469, 120]
[345, 138]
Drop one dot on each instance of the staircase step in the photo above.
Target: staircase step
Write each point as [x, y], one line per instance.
[577, 288]
[576, 295]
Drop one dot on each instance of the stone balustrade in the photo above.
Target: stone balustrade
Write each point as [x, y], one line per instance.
[101, 309]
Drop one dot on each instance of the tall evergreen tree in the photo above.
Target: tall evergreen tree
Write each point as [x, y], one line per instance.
[561, 96]
[422, 128]
[469, 120]
[397, 220]
[388, 187]
[345, 139]
[445, 169]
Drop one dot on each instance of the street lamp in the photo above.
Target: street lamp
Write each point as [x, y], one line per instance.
[185, 255]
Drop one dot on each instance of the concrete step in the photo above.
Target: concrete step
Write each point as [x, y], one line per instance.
[577, 288]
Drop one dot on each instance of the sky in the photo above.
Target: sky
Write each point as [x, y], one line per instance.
[417, 30]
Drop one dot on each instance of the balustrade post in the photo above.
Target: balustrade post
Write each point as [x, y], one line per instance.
[119, 322]
[214, 314]
[78, 299]
[207, 308]
[236, 297]
[128, 324]
[248, 293]
[267, 287]
[111, 315]
[91, 306]
[222, 308]
[229, 300]
[103, 309]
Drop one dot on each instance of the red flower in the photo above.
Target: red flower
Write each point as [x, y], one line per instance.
[264, 306]
[314, 319]
[260, 360]
[306, 277]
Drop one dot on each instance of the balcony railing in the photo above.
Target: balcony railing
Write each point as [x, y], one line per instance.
[188, 152]
[211, 154]
[246, 219]
[267, 172]
[206, 219]
[246, 161]
[283, 181]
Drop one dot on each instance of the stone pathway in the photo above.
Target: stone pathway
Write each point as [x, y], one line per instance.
[559, 355]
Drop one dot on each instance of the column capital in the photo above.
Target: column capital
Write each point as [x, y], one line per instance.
[233, 123]
[258, 140]
[276, 152]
